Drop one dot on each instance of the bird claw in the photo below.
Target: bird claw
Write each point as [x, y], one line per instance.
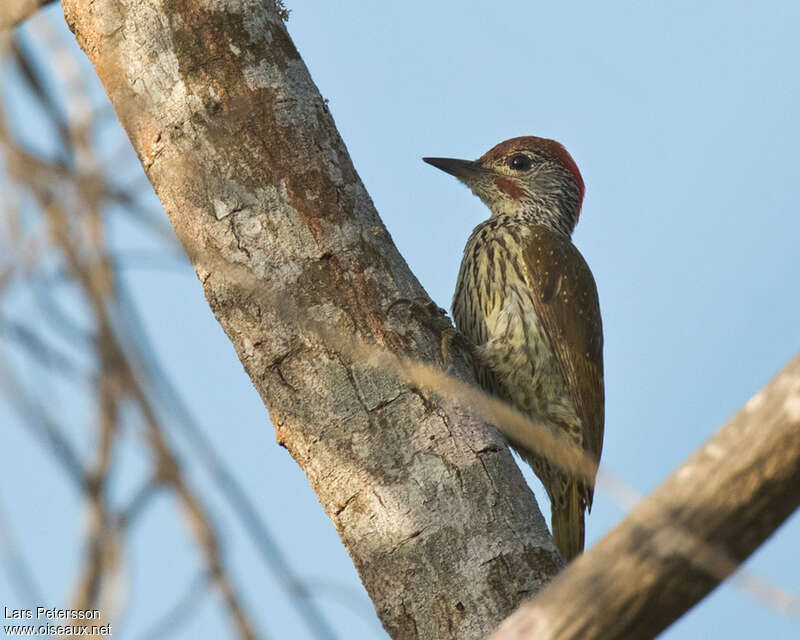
[435, 318]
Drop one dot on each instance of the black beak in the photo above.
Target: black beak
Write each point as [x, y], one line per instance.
[461, 169]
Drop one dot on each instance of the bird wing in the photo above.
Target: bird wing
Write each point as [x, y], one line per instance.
[565, 299]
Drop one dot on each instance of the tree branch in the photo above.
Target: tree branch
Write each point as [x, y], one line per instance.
[15, 11]
[246, 160]
[686, 537]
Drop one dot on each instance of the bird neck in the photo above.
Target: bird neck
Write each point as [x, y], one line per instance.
[558, 214]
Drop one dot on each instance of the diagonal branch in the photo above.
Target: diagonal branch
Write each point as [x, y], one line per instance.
[246, 160]
[15, 11]
[686, 537]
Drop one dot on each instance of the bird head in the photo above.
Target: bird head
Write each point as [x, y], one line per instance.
[531, 178]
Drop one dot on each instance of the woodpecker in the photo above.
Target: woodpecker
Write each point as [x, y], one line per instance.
[527, 302]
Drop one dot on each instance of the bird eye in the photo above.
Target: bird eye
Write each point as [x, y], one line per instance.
[519, 162]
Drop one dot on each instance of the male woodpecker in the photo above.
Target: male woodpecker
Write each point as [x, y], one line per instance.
[527, 301]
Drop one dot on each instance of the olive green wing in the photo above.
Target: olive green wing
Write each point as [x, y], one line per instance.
[565, 298]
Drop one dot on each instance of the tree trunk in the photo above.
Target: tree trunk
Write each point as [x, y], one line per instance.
[245, 158]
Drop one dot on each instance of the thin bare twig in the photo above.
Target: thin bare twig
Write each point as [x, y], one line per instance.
[46, 354]
[36, 419]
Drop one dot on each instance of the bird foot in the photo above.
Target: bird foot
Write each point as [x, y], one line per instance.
[435, 318]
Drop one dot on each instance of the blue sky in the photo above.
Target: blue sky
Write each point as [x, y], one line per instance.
[683, 119]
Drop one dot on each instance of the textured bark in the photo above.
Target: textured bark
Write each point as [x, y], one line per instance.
[243, 154]
[687, 536]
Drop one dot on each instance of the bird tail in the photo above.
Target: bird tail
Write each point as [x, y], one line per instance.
[568, 525]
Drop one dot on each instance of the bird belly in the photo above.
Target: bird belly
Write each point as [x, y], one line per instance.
[493, 308]
[519, 355]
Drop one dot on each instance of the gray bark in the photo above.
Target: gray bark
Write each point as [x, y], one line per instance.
[243, 154]
[684, 538]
